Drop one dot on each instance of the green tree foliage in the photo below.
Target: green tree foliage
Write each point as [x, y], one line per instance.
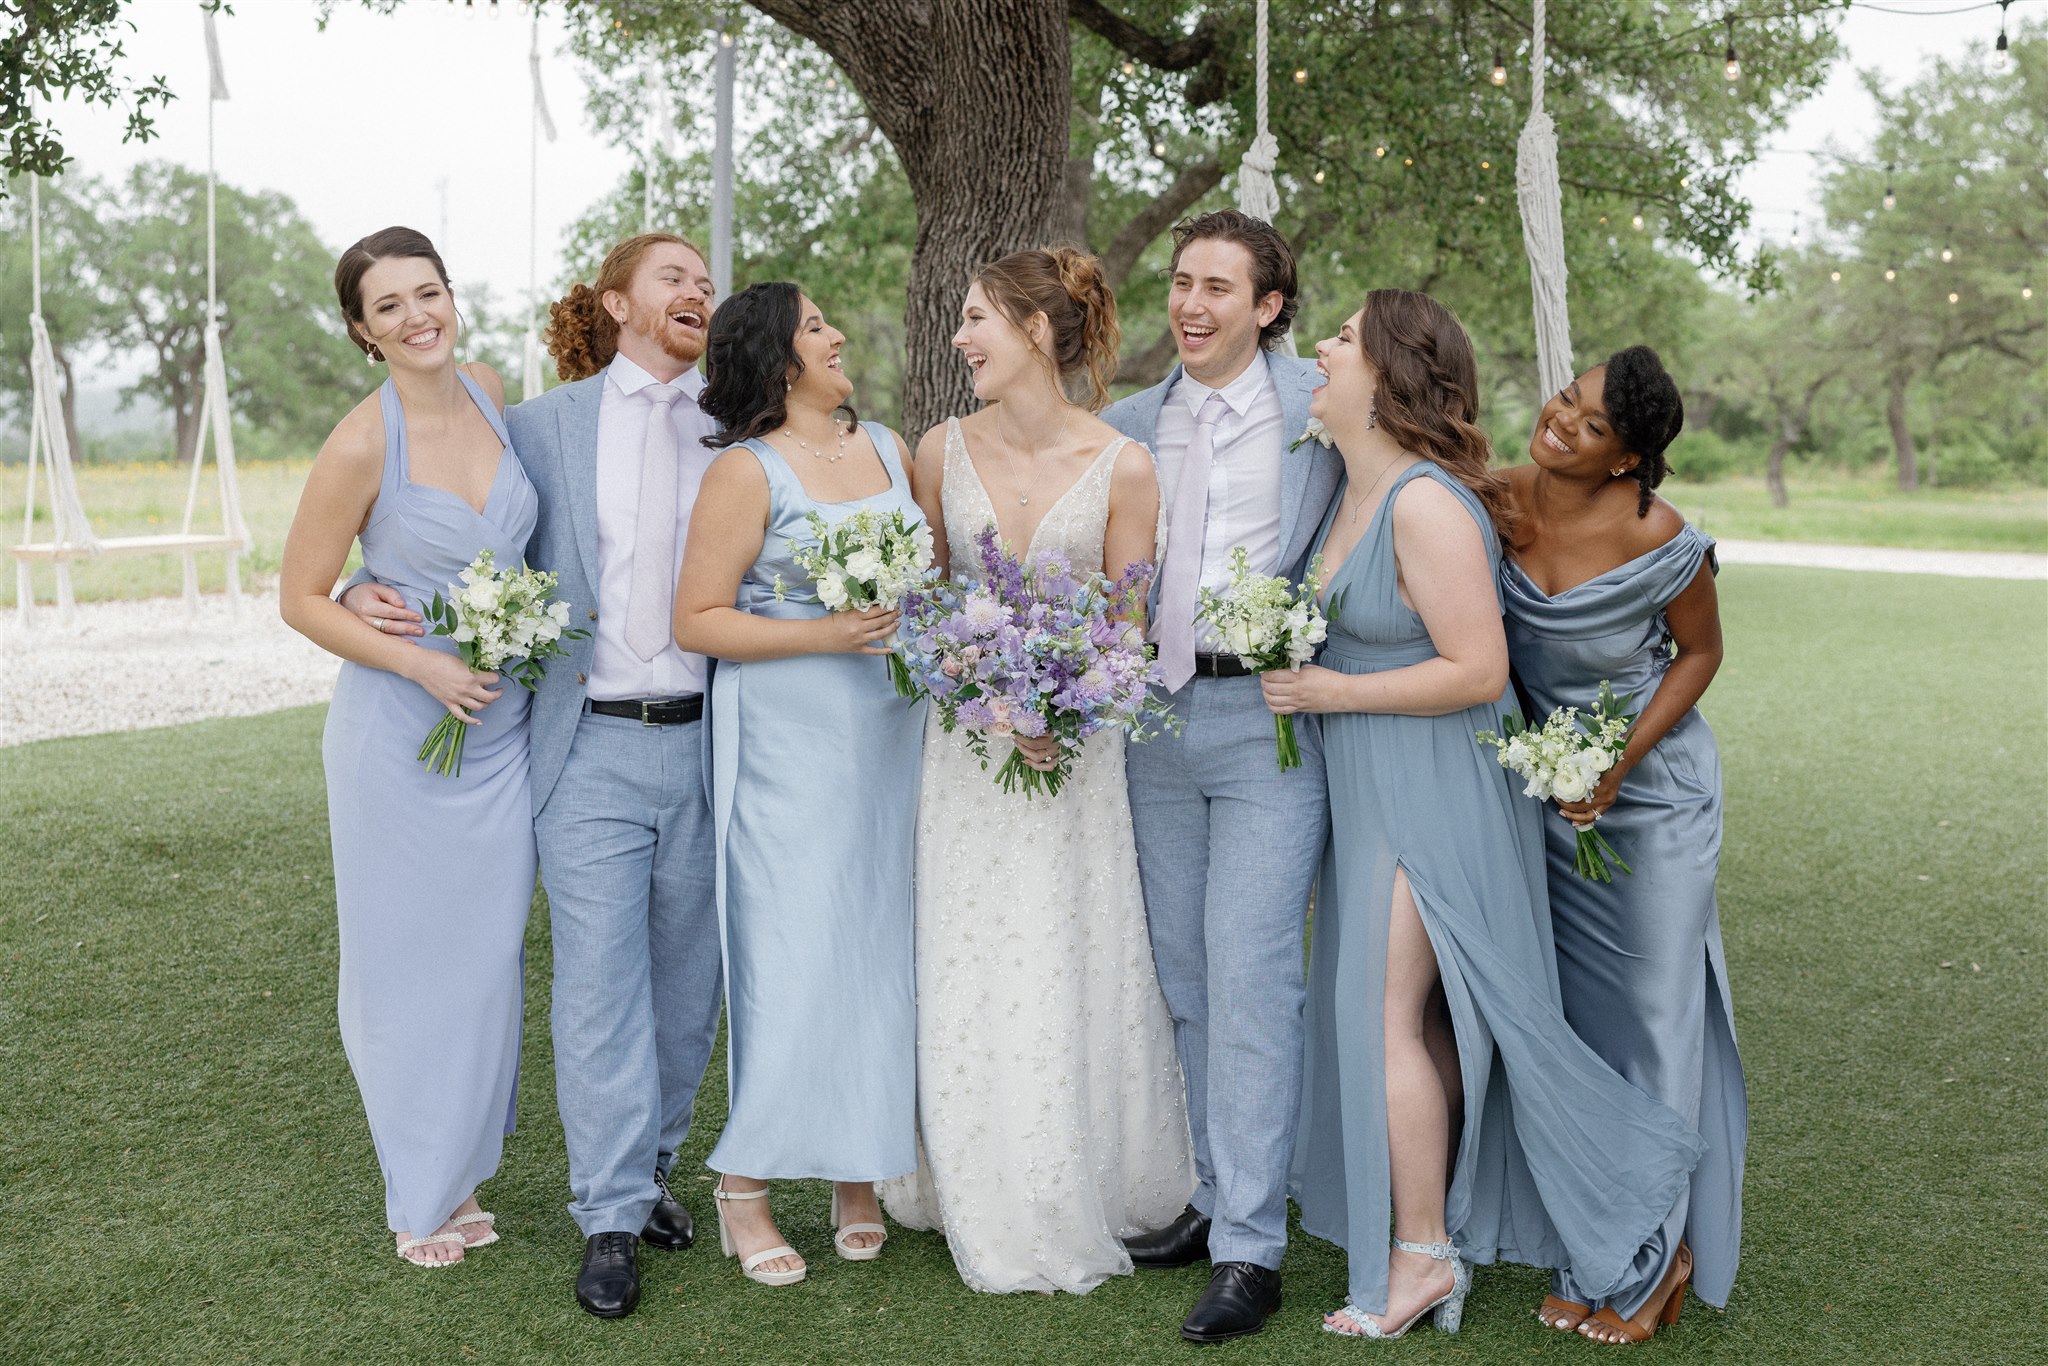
[289, 367]
[58, 49]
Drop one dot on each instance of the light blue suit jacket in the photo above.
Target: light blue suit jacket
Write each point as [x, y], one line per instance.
[555, 435]
[1309, 474]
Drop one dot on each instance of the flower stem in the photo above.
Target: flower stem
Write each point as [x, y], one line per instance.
[1283, 738]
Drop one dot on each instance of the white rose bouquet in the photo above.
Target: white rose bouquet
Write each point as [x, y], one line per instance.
[1565, 760]
[501, 622]
[864, 560]
[1268, 623]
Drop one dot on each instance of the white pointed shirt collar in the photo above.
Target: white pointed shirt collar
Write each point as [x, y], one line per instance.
[1239, 393]
[632, 378]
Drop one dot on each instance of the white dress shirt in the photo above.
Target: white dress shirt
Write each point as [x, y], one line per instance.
[1244, 472]
[616, 673]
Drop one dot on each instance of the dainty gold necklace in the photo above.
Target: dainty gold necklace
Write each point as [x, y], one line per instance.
[1359, 506]
[1009, 469]
[818, 452]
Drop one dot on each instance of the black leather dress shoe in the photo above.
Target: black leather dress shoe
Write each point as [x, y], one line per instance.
[1240, 1297]
[669, 1226]
[609, 1283]
[1183, 1242]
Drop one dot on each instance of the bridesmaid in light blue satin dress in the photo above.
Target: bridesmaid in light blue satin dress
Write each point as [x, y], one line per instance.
[815, 763]
[433, 874]
[1558, 1161]
[1604, 581]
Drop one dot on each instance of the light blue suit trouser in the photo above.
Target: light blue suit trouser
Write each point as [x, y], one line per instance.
[1228, 847]
[626, 857]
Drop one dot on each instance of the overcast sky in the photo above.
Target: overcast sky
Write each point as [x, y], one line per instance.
[421, 118]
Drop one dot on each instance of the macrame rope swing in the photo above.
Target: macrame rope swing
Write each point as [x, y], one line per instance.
[1536, 189]
[1256, 193]
[71, 533]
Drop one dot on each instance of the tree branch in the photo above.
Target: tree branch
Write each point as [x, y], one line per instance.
[1176, 199]
[1183, 54]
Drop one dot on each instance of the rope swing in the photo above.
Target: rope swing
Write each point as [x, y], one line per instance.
[1256, 193]
[1536, 188]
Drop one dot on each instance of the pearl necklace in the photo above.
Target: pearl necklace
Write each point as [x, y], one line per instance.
[818, 452]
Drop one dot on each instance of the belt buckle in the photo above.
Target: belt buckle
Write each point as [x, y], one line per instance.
[646, 715]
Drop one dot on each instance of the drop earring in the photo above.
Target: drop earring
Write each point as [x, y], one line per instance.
[1372, 418]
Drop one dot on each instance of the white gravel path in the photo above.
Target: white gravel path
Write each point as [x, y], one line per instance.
[1963, 564]
[131, 665]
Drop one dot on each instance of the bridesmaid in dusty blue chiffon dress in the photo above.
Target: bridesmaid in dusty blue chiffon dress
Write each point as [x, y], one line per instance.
[1639, 960]
[1558, 1160]
[815, 763]
[433, 874]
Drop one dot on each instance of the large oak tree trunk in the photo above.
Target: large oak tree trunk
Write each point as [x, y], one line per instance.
[975, 96]
[1902, 433]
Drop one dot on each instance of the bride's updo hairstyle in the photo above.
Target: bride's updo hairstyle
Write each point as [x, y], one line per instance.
[750, 361]
[580, 335]
[1428, 394]
[355, 263]
[1067, 286]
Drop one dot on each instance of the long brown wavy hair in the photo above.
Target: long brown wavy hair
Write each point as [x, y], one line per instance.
[580, 335]
[1428, 394]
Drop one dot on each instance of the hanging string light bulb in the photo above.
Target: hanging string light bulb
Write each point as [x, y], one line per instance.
[1636, 222]
[1835, 275]
[2026, 291]
[1301, 75]
[1733, 69]
[1891, 273]
[1891, 201]
[1953, 296]
[1948, 252]
[1500, 69]
[2001, 57]
[1130, 67]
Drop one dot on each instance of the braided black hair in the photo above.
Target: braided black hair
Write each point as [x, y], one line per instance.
[1642, 400]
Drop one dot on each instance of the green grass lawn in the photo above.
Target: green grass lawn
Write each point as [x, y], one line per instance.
[1866, 511]
[185, 1173]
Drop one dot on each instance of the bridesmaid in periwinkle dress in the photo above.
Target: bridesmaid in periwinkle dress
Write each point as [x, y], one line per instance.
[814, 788]
[433, 874]
[1432, 981]
[1605, 579]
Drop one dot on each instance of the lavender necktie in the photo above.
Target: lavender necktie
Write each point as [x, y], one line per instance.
[650, 600]
[1181, 575]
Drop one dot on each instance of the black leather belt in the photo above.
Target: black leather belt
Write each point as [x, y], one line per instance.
[1220, 666]
[654, 711]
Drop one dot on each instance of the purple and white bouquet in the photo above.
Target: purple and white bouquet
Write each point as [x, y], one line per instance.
[1033, 650]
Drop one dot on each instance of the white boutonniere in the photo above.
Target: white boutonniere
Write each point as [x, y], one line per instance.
[1315, 431]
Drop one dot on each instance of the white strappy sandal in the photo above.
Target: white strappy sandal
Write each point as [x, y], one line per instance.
[429, 1241]
[1449, 1306]
[750, 1266]
[482, 1216]
[840, 1231]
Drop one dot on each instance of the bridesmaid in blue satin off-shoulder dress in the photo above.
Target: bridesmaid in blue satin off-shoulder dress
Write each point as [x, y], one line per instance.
[433, 875]
[1444, 1091]
[815, 763]
[1605, 579]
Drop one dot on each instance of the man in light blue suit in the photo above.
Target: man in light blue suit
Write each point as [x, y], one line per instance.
[621, 798]
[1228, 844]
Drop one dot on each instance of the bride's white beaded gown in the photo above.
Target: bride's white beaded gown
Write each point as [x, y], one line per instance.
[1050, 1108]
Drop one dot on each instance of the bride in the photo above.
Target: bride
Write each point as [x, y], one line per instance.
[1050, 1107]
